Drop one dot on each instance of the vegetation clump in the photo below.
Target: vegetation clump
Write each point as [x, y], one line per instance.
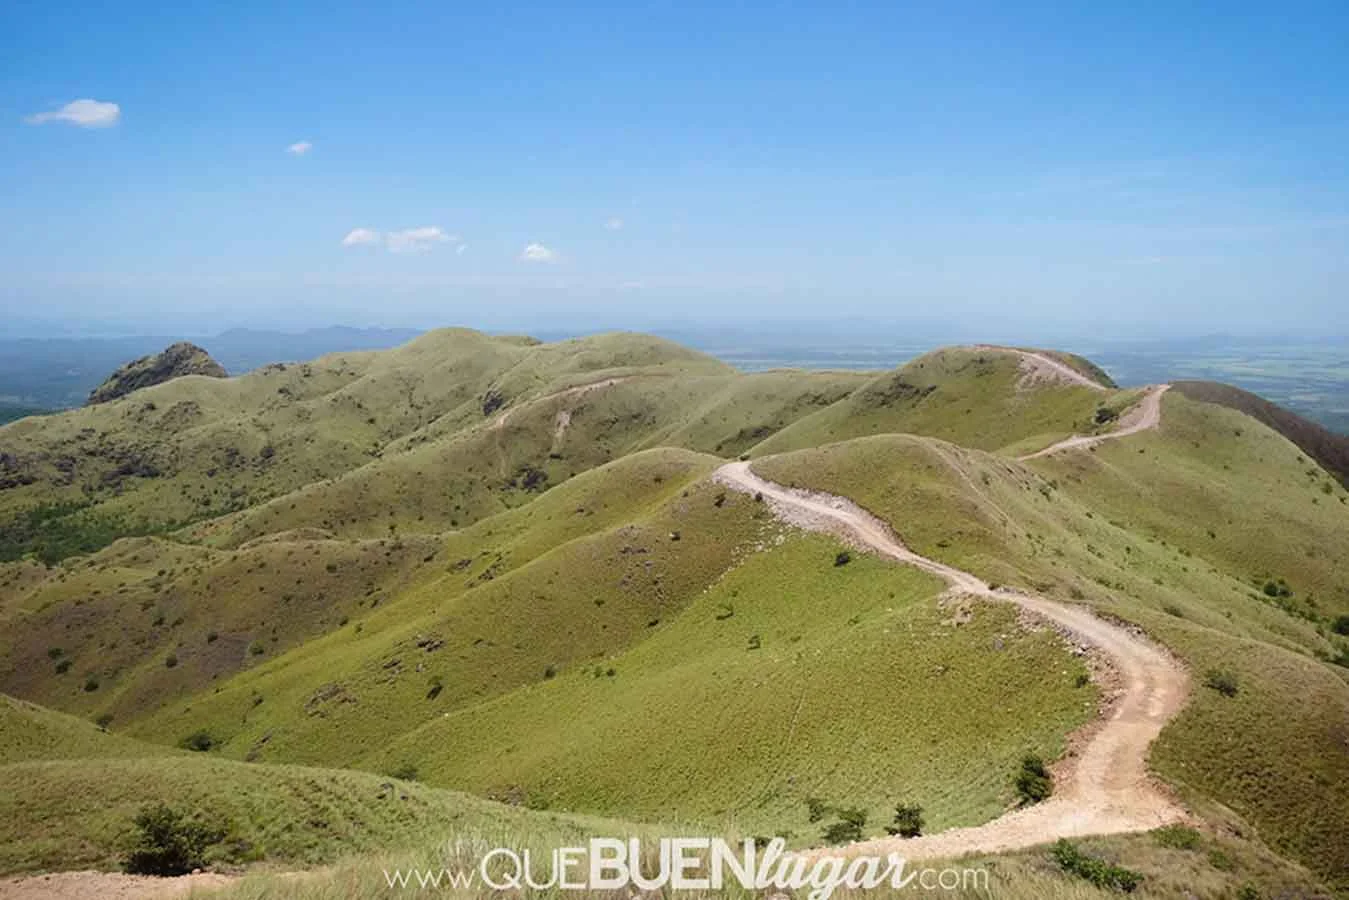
[198, 742]
[168, 843]
[1222, 681]
[908, 821]
[1177, 837]
[848, 828]
[1094, 870]
[1033, 783]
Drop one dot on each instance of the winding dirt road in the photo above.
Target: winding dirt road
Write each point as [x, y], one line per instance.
[1145, 414]
[1105, 788]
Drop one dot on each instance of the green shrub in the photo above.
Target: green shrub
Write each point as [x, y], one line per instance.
[1277, 589]
[848, 828]
[843, 558]
[816, 809]
[908, 821]
[1096, 871]
[171, 661]
[1341, 625]
[1222, 681]
[1033, 783]
[406, 772]
[198, 742]
[1177, 837]
[91, 684]
[63, 666]
[168, 843]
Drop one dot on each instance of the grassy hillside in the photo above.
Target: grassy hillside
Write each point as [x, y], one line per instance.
[197, 447]
[1328, 449]
[1179, 531]
[741, 731]
[69, 794]
[979, 398]
[504, 566]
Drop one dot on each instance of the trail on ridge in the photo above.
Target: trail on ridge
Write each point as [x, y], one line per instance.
[1105, 788]
[1145, 414]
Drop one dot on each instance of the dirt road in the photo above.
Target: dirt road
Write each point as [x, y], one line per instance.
[1145, 414]
[1105, 788]
[106, 886]
[1039, 367]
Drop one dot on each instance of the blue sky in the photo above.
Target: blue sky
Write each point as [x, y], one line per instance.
[1040, 170]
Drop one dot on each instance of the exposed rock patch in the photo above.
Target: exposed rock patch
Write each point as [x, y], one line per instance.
[174, 361]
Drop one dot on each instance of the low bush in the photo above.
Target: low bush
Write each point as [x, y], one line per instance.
[848, 828]
[1092, 869]
[1033, 783]
[1177, 837]
[198, 741]
[168, 843]
[908, 821]
[1222, 681]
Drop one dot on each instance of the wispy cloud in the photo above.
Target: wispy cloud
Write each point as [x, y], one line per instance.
[614, 224]
[538, 253]
[417, 240]
[360, 236]
[407, 240]
[299, 148]
[84, 113]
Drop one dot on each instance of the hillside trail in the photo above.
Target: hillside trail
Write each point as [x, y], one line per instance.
[560, 423]
[1038, 366]
[1145, 414]
[1102, 786]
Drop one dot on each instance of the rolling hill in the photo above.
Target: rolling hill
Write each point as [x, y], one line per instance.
[509, 568]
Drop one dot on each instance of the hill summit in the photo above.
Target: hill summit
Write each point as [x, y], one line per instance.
[174, 361]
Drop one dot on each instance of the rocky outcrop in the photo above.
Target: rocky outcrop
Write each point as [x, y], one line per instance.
[175, 361]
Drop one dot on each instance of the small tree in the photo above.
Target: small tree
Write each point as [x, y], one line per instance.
[908, 821]
[168, 843]
[1222, 681]
[198, 741]
[848, 828]
[1033, 783]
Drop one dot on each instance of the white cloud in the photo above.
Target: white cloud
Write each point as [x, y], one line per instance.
[299, 148]
[459, 251]
[614, 224]
[359, 236]
[84, 113]
[538, 253]
[415, 240]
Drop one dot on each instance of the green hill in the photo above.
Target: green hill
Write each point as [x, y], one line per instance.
[69, 792]
[506, 565]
